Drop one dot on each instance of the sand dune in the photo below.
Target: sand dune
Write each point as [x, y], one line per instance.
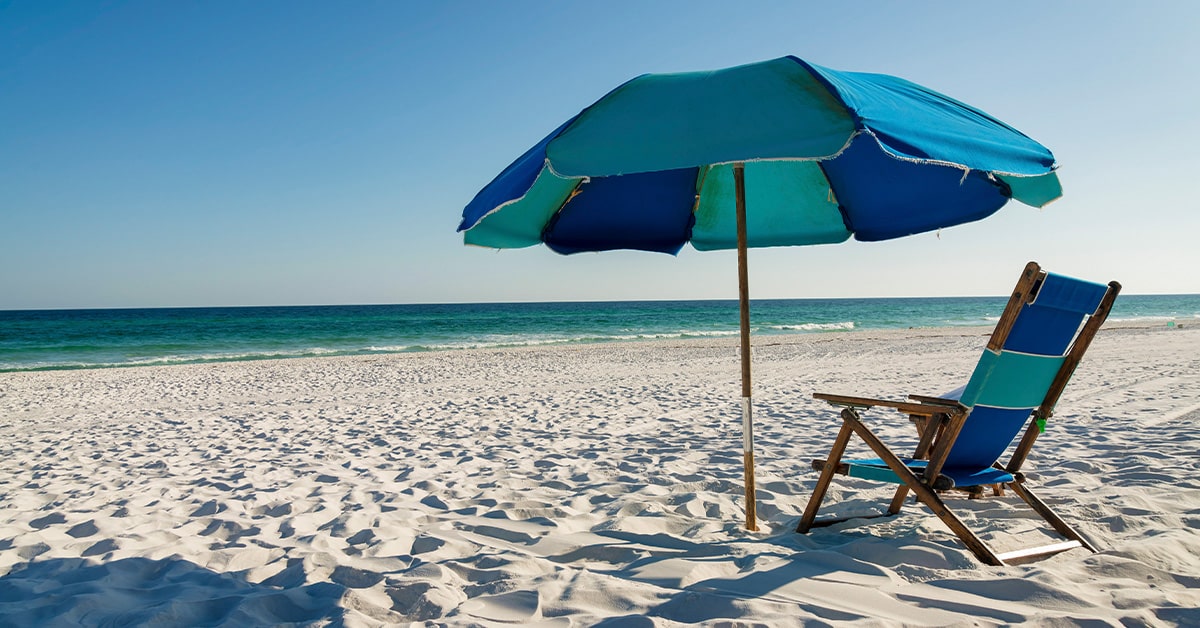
[575, 486]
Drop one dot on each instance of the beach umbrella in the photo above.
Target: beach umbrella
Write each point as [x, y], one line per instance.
[775, 153]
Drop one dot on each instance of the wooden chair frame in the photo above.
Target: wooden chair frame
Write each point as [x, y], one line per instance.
[939, 423]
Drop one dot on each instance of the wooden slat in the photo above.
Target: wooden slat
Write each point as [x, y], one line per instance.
[945, 442]
[1034, 552]
[932, 428]
[936, 401]
[1021, 452]
[907, 407]
[919, 422]
[841, 468]
[898, 498]
[1020, 296]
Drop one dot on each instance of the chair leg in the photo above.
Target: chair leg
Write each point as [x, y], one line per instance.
[898, 500]
[1049, 515]
[924, 493]
[969, 538]
[827, 473]
[929, 429]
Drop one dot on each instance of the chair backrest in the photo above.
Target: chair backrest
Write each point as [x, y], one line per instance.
[1039, 340]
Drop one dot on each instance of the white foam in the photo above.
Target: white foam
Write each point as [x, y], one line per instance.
[843, 326]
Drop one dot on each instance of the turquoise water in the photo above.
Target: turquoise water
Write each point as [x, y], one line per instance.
[64, 339]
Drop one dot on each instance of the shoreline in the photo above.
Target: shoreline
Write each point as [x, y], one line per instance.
[717, 340]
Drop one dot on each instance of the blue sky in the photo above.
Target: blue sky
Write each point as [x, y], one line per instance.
[251, 153]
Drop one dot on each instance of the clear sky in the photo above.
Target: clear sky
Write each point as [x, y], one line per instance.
[252, 153]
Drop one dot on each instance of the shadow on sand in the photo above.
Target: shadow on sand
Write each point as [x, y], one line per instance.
[164, 592]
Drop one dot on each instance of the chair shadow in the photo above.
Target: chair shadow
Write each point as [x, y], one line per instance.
[718, 597]
[162, 592]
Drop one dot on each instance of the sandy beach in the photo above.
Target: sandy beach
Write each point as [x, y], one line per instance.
[575, 486]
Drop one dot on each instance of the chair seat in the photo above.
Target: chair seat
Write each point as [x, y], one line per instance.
[876, 469]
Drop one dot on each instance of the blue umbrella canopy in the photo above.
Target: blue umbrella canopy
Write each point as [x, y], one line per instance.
[828, 155]
[776, 153]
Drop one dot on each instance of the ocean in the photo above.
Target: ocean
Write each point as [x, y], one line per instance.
[73, 339]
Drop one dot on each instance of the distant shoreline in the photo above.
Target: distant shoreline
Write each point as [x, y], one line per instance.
[731, 341]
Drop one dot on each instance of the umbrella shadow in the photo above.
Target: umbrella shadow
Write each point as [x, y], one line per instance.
[163, 592]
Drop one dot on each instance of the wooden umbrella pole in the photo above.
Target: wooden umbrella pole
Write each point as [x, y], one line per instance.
[744, 301]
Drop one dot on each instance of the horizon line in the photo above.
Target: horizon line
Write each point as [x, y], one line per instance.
[523, 302]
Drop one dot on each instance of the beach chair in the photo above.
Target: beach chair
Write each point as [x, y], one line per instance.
[1031, 355]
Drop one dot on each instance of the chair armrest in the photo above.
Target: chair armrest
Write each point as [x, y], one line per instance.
[937, 401]
[907, 407]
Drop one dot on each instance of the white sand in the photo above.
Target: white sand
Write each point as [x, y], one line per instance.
[575, 486]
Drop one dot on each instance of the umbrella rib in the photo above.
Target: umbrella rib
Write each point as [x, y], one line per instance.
[558, 212]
